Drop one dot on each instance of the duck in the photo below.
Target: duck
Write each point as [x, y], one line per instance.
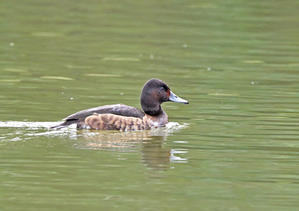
[127, 118]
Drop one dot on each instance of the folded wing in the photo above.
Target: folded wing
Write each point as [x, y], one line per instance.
[117, 109]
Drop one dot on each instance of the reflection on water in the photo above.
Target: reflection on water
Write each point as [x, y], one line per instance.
[150, 142]
[156, 156]
[111, 140]
[115, 140]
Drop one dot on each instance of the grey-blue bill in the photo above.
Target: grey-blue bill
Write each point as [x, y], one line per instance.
[174, 98]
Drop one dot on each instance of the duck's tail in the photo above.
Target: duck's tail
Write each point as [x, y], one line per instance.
[64, 124]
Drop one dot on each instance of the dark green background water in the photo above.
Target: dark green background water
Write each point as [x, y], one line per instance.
[235, 61]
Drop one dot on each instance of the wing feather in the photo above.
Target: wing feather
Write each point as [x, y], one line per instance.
[117, 109]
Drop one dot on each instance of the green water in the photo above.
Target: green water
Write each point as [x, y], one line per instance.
[235, 61]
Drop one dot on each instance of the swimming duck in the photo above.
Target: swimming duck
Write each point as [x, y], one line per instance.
[125, 118]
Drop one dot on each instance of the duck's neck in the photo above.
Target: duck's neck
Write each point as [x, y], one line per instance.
[158, 120]
[153, 110]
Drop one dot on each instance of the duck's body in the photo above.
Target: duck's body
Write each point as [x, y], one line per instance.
[125, 118]
[122, 123]
[116, 109]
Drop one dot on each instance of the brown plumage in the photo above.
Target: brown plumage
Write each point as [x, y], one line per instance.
[115, 122]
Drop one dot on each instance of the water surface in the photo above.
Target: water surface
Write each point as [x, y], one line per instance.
[235, 61]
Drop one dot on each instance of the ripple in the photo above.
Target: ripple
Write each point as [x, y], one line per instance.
[32, 125]
[57, 78]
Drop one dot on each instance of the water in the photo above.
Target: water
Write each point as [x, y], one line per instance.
[234, 147]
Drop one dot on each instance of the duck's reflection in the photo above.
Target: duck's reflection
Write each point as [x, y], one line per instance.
[155, 153]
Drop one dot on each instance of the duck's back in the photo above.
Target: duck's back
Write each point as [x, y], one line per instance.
[116, 109]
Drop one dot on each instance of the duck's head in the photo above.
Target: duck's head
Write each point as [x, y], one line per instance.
[154, 93]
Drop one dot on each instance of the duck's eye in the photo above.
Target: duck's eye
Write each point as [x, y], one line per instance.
[163, 88]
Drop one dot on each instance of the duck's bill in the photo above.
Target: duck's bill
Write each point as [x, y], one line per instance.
[176, 99]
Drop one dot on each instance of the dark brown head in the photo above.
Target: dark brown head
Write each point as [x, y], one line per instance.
[154, 93]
